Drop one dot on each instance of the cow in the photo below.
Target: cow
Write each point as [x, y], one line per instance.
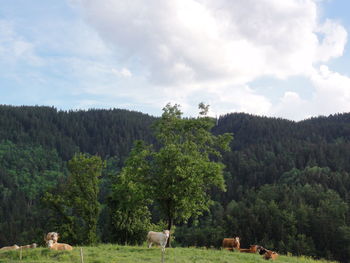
[34, 245]
[270, 255]
[159, 238]
[14, 247]
[261, 250]
[252, 249]
[51, 236]
[58, 246]
[231, 243]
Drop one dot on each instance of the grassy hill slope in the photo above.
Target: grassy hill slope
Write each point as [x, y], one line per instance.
[132, 254]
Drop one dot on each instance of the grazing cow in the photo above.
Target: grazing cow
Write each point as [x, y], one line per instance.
[270, 255]
[51, 236]
[231, 243]
[58, 246]
[14, 247]
[34, 245]
[252, 249]
[159, 238]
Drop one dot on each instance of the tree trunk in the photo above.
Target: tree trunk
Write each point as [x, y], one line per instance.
[170, 224]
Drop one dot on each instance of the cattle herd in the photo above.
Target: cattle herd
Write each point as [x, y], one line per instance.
[158, 238]
[234, 244]
[50, 239]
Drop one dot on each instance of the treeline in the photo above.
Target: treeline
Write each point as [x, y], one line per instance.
[288, 183]
[102, 132]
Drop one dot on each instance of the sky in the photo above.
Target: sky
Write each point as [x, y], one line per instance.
[288, 59]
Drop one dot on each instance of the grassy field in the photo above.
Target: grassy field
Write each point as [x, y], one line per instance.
[131, 254]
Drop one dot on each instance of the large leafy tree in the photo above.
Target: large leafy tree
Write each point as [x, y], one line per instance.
[129, 199]
[178, 173]
[77, 205]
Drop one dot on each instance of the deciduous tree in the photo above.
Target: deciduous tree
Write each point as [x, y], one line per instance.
[178, 173]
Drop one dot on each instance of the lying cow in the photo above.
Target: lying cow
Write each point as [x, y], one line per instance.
[58, 246]
[51, 236]
[160, 238]
[261, 250]
[231, 243]
[270, 255]
[14, 247]
[252, 249]
[34, 245]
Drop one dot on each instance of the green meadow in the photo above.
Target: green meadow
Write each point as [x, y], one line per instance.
[108, 253]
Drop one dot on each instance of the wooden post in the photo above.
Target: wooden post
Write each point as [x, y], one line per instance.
[20, 254]
[81, 255]
[163, 255]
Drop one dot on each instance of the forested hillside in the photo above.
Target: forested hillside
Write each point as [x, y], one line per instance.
[102, 132]
[288, 183]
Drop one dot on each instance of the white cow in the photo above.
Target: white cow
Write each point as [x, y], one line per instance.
[51, 236]
[34, 245]
[14, 247]
[159, 238]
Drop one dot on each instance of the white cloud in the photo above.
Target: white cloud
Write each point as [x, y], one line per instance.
[187, 40]
[214, 48]
[292, 106]
[14, 48]
[331, 95]
[187, 51]
[333, 42]
[124, 72]
[70, 60]
[332, 91]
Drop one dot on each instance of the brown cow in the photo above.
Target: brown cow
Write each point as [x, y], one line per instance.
[58, 246]
[231, 243]
[252, 249]
[270, 255]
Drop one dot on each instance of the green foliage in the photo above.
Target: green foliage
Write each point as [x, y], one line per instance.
[129, 199]
[103, 132]
[26, 172]
[301, 219]
[78, 205]
[275, 165]
[182, 171]
[179, 175]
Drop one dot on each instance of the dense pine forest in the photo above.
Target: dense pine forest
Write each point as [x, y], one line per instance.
[287, 183]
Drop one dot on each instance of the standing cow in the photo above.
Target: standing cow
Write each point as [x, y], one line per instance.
[159, 238]
[231, 243]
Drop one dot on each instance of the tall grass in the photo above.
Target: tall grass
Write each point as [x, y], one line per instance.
[107, 253]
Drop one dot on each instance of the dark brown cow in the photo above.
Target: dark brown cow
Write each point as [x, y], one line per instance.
[261, 250]
[231, 243]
